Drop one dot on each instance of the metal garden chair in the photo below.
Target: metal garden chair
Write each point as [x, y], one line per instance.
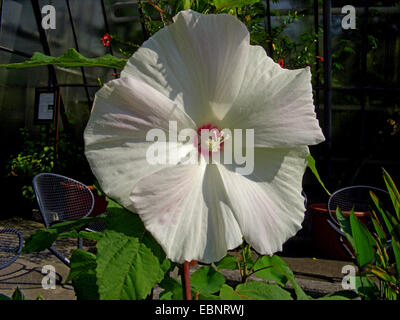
[61, 199]
[10, 246]
[357, 197]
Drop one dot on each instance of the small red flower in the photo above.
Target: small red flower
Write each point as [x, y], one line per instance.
[320, 58]
[281, 63]
[106, 40]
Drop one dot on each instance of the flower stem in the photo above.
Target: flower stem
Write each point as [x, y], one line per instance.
[186, 276]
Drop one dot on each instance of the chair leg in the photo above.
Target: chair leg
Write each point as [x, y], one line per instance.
[60, 256]
[80, 243]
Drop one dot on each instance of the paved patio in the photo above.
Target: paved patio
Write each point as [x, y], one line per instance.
[316, 276]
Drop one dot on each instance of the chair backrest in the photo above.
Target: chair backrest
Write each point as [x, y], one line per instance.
[61, 198]
[357, 197]
[10, 246]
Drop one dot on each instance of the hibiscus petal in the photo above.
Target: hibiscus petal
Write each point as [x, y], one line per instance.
[115, 137]
[277, 103]
[186, 210]
[198, 61]
[268, 204]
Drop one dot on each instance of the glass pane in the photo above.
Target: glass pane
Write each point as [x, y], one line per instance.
[18, 27]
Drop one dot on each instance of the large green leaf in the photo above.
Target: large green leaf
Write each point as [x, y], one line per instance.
[126, 268]
[129, 261]
[83, 275]
[254, 290]
[207, 280]
[363, 241]
[81, 262]
[70, 59]
[128, 223]
[313, 168]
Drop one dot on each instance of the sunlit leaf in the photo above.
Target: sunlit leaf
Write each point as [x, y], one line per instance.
[229, 4]
[207, 280]
[311, 165]
[70, 59]
[363, 241]
[393, 192]
[254, 290]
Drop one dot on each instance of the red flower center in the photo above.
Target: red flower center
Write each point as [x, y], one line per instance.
[209, 139]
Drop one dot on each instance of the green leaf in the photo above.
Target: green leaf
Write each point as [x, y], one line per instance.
[95, 236]
[378, 228]
[228, 293]
[363, 241]
[396, 251]
[44, 238]
[130, 224]
[378, 272]
[75, 224]
[173, 289]
[70, 59]
[387, 217]
[271, 269]
[68, 234]
[396, 232]
[207, 280]
[187, 4]
[255, 290]
[280, 272]
[229, 4]
[340, 295]
[18, 295]
[126, 268]
[366, 288]
[344, 223]
[81, 262]
[393, 192]
[311, 165]
[85, 286]
[83, 275]
[40, 240]
[228, 262]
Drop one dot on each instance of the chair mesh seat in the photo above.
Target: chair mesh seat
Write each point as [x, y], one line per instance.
[10, 246]
[357, 197]
[61, 198]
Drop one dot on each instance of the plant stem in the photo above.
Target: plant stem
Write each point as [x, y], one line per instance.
[186, 284]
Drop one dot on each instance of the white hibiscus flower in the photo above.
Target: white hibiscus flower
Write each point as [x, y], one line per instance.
[202, 72]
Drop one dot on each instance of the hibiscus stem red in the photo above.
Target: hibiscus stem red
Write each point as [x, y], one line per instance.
[186, 276]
